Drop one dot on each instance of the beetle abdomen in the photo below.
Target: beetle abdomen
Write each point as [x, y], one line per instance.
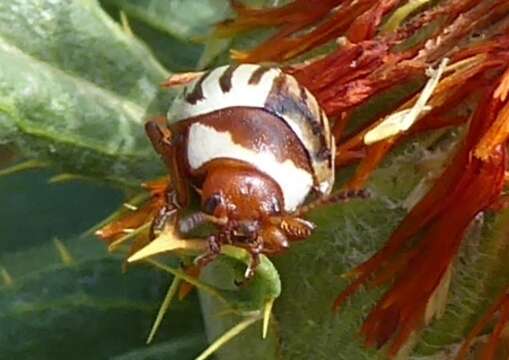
[255, 86]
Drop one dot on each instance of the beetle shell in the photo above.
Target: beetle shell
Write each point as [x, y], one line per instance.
[256, 86]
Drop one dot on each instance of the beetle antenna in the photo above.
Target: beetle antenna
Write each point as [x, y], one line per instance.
[334, 198]
[194, 220]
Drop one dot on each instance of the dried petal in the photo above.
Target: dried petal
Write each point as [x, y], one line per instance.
[365, 26]
[299, 14]
[496, 135]
[488, 354]
[468, 186]
[144, 214]
[503, 89]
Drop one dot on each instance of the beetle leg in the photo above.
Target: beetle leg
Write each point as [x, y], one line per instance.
[333, 198]
[160, 135]
[275, 238]
[254, 250]
[166, 213]
[214, 250]
[295, 228]
[165, 145]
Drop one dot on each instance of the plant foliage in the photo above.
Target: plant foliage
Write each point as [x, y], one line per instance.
[77, 80]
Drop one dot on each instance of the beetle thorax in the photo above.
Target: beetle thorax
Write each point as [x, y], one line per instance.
[238, 192]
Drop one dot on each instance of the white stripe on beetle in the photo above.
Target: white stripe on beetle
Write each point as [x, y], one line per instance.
[206, 143]
[241, 93]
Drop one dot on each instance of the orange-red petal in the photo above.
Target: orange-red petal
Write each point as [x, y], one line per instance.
[468, 186]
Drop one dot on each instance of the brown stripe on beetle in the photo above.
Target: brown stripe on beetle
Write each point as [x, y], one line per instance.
[281, 102]
[329, 138]
[257, 130]
[257, 75]
[285, 100]
[303, 94]
[197, 94]
[324, 154]
[225, 81]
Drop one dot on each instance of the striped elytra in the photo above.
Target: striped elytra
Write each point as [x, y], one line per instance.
[226, 107]
[255, 148]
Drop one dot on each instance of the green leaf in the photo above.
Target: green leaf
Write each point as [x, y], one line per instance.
[92, 310]
[480, 275]
[175, 30]
[104, 82]
[180, 32]
[189, 21]
[184, 347]
[75, 88]
[34, 212]
[79, 39]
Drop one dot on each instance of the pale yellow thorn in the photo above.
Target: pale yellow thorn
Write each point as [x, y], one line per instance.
[130, 206]
[6, 277]
[182, 79]
[406, 349]
[124, 21]
[26, 165]
[63, 252]
[128, 235]
[227, 336]
[168, 241]
[60, 178]
[267, 311]
[138, 199]
[191, 280]
[238, 55]
[172, 290]
[226, 312]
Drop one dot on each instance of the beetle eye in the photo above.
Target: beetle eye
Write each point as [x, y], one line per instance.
[211, 203]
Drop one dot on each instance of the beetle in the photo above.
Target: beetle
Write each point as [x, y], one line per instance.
[257, 149]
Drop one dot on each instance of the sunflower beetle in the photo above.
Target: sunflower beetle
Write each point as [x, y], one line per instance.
[258, 150]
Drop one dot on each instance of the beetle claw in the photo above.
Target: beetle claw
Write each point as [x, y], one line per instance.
[211, 254]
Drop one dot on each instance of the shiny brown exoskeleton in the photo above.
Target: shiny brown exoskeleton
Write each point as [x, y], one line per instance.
[257, 149]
